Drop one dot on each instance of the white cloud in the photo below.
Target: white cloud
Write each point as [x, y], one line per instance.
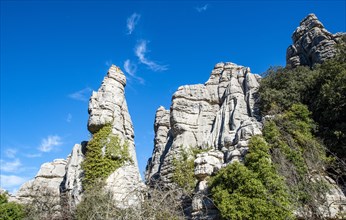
[141, 50]
[132, 22]
[202, 8]
[10, 153]
[33, 155]
[11, 182]
[69, 117]
[10, 166]
[131, 69]
[48, 143]
[81, 95]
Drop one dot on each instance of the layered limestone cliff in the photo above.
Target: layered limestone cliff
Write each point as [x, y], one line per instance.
[220, 116]
[62, 179]
[312, 43]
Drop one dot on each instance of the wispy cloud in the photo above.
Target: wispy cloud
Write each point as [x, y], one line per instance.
[48, 143]
[81, 95]
[12, 182]
[69, 118]
[132, 22]
[33, 155]
[10, 153]
[10, 166]
[202, 8]
[131, 69]
[141, 50]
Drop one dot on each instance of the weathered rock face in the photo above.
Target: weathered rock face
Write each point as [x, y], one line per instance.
[108, 106]
[312, 43]
[71, 187]
[220, 116]
[162, 137]
[46, 182]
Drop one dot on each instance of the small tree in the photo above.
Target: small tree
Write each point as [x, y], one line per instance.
[10, 210]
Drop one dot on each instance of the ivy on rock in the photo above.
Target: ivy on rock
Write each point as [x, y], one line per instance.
[105, 154]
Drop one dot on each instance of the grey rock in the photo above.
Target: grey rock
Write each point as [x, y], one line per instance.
[108, 106]
[63, 178]
[71, 187]
[219, 116]
[312, 43]
[46, 181]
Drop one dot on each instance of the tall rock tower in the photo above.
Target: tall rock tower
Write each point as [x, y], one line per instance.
[63, 178]
[108, 106]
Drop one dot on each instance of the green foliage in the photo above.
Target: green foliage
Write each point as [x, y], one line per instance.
[183, 164]
[322, 89]
[298, 155]
[104, 155]
[10, 210]
[282, 87]
[183, 174]
[253, 190]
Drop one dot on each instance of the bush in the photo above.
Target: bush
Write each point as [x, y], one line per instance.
[322, 89]
[300, 158]
[10, 210]
[183, 163]
[157, 203]
[253, 190]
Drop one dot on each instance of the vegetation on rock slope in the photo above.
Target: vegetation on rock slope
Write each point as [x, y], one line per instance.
[251, 191]
[104, 155]
[299, 146]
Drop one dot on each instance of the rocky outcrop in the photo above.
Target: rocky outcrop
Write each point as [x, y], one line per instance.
[62, 179]
[71, 187]
[312, 43]
[45, 184]
[219, 116]
[108, 106]
[162, 138]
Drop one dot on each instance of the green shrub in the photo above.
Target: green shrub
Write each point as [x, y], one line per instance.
[299, 156]
[253, 190]
[322, 89]
[10, 210]
[104, 155]
[183, 163]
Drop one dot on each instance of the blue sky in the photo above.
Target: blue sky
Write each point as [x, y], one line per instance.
[54, 53]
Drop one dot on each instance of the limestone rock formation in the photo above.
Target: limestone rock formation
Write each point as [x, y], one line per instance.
[46, 182]
[108, 106]
[312, 43]
[219, 116]
[63, 178]
[71, 187]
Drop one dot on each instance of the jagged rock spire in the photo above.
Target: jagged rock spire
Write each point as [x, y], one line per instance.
[312, 43]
